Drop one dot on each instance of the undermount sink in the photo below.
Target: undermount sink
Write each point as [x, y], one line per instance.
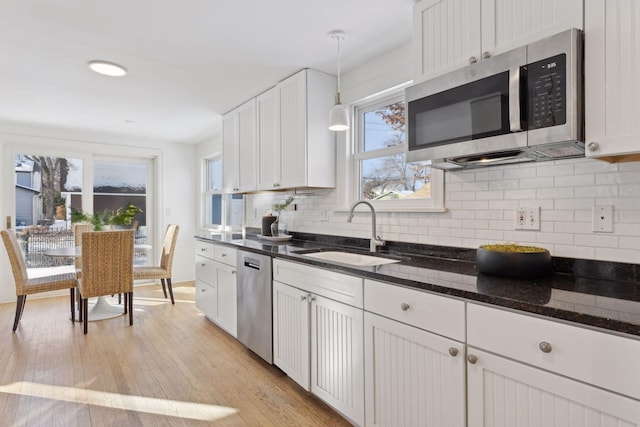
[351, 258]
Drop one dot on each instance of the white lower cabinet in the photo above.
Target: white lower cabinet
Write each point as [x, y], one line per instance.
[216, 285]
[412, 377]
[502, 392]
[524, 370]
[318, 341]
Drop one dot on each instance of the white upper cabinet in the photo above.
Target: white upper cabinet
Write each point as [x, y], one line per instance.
[295, 147]
[239, 149]
[612, 51]
[446, 34]
[449, 34]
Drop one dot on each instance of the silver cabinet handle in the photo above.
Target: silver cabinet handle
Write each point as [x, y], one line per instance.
[404, 306]
[275, 184]
[545, 347]
[203, 265]
[203, 249]
[593, 146]
[472, 358]
[203, 290]
[313, 298]
[515, 123]
[453, 351]
[303, 298]
[473, 60]
[223, 255]
[233, 272]
[486, 55]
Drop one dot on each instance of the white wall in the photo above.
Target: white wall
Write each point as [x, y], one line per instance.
[175, 191]
[481, 203]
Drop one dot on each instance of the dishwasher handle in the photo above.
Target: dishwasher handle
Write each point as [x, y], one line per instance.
[252, 263]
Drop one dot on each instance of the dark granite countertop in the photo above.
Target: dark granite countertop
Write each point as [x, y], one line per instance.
[589, 298]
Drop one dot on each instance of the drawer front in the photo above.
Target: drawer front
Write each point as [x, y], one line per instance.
[225, 255]
[598, 358]
[336, 286]
[205, 270]
[204, 249]
[441, 315]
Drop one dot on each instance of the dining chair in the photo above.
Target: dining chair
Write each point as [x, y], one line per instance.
[162, 271]
[26, 286]
[78, 229]
[107, 269]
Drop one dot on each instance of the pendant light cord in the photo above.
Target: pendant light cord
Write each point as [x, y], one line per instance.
[338, 38]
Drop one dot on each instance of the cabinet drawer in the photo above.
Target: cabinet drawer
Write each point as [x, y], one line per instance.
[336, 286]
[204, 249]
[225, 255]
[205, 269]
[441, 315]
[598, 358]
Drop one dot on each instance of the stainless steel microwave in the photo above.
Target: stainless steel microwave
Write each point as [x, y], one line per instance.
[520, 106]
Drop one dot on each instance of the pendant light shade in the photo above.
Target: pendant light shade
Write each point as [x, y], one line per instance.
[338, 115]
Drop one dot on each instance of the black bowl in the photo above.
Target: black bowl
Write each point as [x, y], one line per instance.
[514, 264]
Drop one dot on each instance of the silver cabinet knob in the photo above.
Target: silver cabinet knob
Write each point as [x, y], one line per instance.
[453, 351]
[203, 265]
[545, 347]
[486, 55]
[203, 290]
[404, 306]
[275, 184]
[303, 298]
[472, 358]
[203, 249]
[233, 272]
[313, 298]
[473, 60]
[223, 255]
[593, 146]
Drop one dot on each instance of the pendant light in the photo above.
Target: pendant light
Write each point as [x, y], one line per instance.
[338, 115]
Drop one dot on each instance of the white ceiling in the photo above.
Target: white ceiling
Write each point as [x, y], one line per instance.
[189, 61]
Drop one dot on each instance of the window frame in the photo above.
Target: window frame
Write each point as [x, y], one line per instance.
[433, 204]
[207, 193]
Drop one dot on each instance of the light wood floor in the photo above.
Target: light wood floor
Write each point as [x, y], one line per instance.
[171, 368]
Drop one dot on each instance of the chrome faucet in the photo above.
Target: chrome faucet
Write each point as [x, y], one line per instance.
[375, 239]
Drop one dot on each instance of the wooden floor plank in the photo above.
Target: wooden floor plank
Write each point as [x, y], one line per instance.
[173, 367]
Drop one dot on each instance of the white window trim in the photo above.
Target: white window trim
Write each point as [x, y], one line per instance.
[205, 197]
[433, 204]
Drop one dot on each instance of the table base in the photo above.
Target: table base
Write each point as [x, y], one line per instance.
[101, 310]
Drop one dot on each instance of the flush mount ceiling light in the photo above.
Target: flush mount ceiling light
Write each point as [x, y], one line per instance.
[338, 115]
[107, 68]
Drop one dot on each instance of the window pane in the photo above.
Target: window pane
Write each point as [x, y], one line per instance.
[214, 175]
[235, 210]
[215, 209]
[384, 127]
[391, 177]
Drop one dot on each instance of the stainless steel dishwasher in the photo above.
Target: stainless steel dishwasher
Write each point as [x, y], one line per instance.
[255, 320]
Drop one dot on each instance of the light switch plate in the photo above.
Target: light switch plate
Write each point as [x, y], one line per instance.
[603, 219]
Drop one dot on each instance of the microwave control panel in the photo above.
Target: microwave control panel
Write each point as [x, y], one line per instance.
[546, 92]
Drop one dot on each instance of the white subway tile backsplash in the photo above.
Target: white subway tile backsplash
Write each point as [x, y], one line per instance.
[481, 209]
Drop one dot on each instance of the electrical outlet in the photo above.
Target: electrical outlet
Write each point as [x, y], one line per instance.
[324, 215]
[528, 218]
[603, 219]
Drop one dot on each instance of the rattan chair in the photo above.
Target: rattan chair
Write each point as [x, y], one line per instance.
[78, 229]
[26, 286]
[107, 269]
[162, 271]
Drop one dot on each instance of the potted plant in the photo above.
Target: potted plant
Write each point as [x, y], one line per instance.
[120, 217]
[279, 227]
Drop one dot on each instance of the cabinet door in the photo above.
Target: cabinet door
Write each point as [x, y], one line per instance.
[446, 34]
[268, 105]
[229, 153]
[507, 24]
[293, 131]
[291, 332]
[612, 89]
[337, 359]
[247, 146]
[413, 377]
[207, 299]
[226, 282]
[502, 392]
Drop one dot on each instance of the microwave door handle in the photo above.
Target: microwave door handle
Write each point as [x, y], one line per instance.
[515, 123]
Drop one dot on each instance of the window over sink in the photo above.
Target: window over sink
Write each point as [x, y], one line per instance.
[382, 174]
[221, 211]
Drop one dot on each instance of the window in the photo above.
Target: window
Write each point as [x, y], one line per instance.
[221, 211]
[382, 174]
